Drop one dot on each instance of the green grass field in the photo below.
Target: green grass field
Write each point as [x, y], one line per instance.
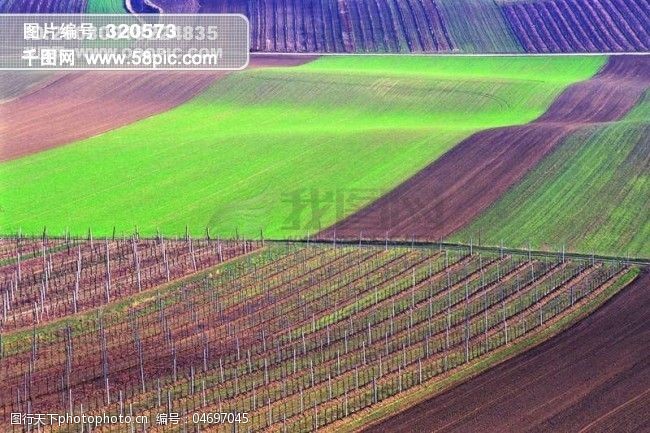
[592, 194]
[285, 151]
[105, 7]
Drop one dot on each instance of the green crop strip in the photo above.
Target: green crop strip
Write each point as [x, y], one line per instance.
[285, 151]
[592, 194]
[105, 7]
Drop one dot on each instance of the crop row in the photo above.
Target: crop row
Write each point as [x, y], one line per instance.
[579, 25]
[343, 25]
[295, 336]
[76, 276]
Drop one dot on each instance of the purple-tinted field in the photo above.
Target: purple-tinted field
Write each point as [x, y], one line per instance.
[399, 26]
[423, 25]
[580, 25]
[338, 25]
[43, 6]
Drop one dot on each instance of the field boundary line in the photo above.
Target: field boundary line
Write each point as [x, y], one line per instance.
[641, 261]
[449, 54]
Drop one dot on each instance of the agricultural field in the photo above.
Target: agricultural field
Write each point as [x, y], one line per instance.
[320, 141]
[484, 26]
[43, 6]
[478, 26]
[439, 201]
[579, 25]
[601, 392]
[342, 243]
[591, 194]
[407, 26]
[13, 85]
[105, 7]
[52, 280]
[297, 336]
[71, 106]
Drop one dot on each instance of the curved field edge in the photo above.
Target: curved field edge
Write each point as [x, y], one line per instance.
[437, 201]
[76, 106]
[592, 193]
[367, 418]
[362, 125]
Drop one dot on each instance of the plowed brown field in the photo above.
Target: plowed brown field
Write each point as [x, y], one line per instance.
[80, 105]
[15, 84]
[591, 378]
[454, 189]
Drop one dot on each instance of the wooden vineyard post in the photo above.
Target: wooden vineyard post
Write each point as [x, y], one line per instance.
[136, 262]
[485, 325]
[505, 322]
[18, 270]
[191, 250]
[164, 253]
[108, 273]
[466, 335]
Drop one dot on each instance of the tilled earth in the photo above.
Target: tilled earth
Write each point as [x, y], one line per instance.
[594, 377]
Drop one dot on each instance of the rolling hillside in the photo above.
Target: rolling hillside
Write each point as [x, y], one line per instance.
[454, 190]
[591, 194]
[286, 151]
[74, 106]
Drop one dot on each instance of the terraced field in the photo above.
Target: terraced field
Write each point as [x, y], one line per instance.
[320, 141]
[297, 337]
[591, 194]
